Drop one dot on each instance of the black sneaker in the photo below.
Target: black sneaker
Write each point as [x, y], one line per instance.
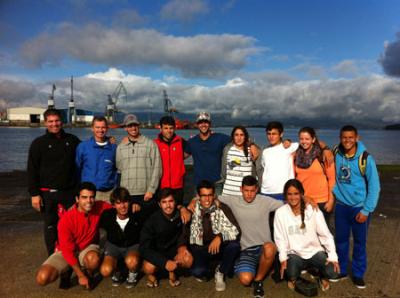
[359, 282]
[338, 278]
[116, 279]
[258, 291]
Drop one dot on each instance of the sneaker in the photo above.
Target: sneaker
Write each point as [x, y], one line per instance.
[359, 282]
[116, 279]
[338, 278]
[219, 281]
[258, 291]
[131, 280]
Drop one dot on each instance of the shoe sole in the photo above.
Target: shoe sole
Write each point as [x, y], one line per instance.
[360, 287]
[339, 279]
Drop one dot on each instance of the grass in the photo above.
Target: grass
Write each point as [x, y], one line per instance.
[388, 168]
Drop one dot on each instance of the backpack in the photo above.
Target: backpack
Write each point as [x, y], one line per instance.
[362, 160]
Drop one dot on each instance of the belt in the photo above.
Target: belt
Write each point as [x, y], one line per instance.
[45, 189]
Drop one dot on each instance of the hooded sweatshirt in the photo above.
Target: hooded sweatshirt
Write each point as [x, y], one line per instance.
[352, 188]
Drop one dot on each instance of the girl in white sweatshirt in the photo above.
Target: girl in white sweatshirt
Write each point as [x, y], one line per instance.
[303, 238]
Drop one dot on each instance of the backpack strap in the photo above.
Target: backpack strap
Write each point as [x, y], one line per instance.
[362, 162]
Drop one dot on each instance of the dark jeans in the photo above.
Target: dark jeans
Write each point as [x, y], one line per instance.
[51, 201]
[229, 250]
[327, 216]
[296, 264]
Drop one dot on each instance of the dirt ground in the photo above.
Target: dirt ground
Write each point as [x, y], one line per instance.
[23, 251]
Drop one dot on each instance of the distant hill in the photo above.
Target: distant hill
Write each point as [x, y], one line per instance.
[393, 127]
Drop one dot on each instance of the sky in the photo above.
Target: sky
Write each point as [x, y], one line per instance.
[324, 62]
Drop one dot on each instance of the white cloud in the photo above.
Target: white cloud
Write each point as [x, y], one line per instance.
[371, 100]
[183, 10]
[346, 68]
[195, 56]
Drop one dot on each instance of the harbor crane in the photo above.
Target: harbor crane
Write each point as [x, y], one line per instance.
[168, 108]
[50, 101]
[119, 94]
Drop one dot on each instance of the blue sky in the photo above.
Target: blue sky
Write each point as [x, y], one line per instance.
[235, 57]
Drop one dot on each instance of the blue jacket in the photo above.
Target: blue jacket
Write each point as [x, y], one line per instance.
[352, 188]
[96, 164]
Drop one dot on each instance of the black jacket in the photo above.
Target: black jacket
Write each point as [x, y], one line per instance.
[160, 237]
[51, 162]
[129, 236]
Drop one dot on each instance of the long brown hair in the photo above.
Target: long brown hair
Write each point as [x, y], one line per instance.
[297, 184]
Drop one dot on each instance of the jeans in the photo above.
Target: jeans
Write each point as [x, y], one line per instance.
[229, 250]
[345, 223]
[51, 202]
[296, 264]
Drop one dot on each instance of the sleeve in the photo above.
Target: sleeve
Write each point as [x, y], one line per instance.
[293, 147]
[156, 167]
[66, 241]
[226, 139]
[187, 147]
[280, 236]
[118, 158]
[34, 160]
[228, 213]
[373, 187]
[226, 200]
[79, 160]
[183, 239]
[224, 161]
[273, 204]
[146, 248]
[325, 236]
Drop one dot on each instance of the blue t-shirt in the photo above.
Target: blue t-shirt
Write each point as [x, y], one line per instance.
[207, 156]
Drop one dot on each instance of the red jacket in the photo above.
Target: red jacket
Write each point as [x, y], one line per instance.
[173, 167]
[76, 230]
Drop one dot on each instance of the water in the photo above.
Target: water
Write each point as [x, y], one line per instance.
[382, 144]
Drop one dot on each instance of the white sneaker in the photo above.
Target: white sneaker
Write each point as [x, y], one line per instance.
[131, 280]
[219, 281]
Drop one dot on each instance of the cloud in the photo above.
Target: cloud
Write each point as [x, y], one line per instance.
[311, 70]
[390, 59]
[254, 98]
[183, 10]
[346, 68]
[203, 55]
[128, 17]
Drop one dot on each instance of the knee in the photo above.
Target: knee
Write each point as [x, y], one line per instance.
[188, 261]
[45, 275]
[269, 250]
[149, 268]
[246, 278]
[132, 262]
[106, 270]
[91, 260]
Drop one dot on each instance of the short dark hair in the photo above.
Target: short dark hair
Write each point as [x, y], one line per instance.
[165, 193]
[348, 128]
[51, 112]
[99, 119]
[274, 125]
[120, 194]
[167, 120]
[249, 181]
[86, 185]
[205, 184]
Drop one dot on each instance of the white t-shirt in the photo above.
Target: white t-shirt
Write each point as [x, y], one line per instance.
[122, 222]
[291, 239]
[237, 167]
[278, 167]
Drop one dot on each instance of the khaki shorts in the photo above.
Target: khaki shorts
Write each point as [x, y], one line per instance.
[57, 260]
[103, 195]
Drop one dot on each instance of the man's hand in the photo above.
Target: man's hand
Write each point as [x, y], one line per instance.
[311, 202]
[171, 265]
[148, 196]
[182, 255]
[214, 246]
[192, 205]
[135, 208]
[37, 203]
[84, 281]
[283, 268]
[329, 205]
[327, 155]
[336, 267]
[185, 214]
[361, 218]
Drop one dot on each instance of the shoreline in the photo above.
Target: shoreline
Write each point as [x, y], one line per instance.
[23, 251]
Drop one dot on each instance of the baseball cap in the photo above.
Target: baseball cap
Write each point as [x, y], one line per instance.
[203, 116]
[130, 119]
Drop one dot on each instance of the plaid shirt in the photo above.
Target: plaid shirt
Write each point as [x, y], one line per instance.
[139, 165]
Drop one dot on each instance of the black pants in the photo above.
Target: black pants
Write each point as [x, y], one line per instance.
[51, 201]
